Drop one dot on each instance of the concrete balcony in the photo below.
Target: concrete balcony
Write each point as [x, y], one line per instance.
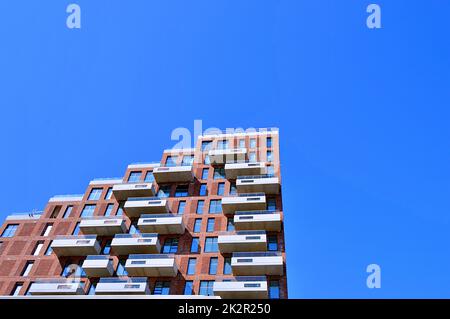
[98, 266]
[117, 286]
[173, 174]
[233, 170]
[134, 207]
[103, 226]
[229, 155]
[253, 201]
[251, 240]
[56, 287]
[153, 265]
[76, 245]
[125, 190]
[242, 288]
[257, 263]
[257, 220]
[268, 184]
[161, 224]
[125, 244]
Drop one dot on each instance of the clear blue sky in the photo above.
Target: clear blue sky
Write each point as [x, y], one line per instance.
[363, 117]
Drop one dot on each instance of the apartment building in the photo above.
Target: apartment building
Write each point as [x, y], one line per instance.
[205, 222]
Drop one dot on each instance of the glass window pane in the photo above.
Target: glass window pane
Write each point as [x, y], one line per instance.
[134, 177]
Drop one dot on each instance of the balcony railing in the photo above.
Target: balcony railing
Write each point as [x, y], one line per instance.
[136, 235]
[249, 195]
[256, 176]
[256, 212]
[243, 232]
[241, 278]
[151, 256]
[159, 216]
[97, 257]
[258, 254]
[135, 199]
[123, 280]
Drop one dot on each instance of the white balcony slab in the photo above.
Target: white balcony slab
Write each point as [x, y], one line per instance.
[135, 207]
[267, 185]
[229, 155]
[241, 289]
[56, 288]
[125, 190]
[233, 170]
[168, 224]
[151, 266]
[98, 266]
[103, 226]
[173, 174]
[238, 203]
[247, 264]
[242, 242]
[257, 221]
[122, 288]
[135, 245]
[75, 245]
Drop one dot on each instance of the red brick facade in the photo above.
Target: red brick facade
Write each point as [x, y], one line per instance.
[16, 251]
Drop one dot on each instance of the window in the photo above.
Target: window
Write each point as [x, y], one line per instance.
[108, 193]
[200, 205]
[119, 211]
[16, 289]
[171, 160]
[227, 270]
[107, 249]
[206, 288]
[10, 230]
[187, 160]
[181, 207]
[26, 270]
[133, 228]
[252, 142]
[77, 229]
[197, 225]
[205, 173]
[192, 262]
[162, 288]
[233, 189]
[68, 211]
[195, 245]
[270, 170]
[207, 160]
[88, 211]
[241, 143]
[121, 271]
[49, 250]
[269, 156]
[206, 145]
[91, 289]
[271, 204]
[272, 243]
[182, 191]
[210, 225]
[219, 173]
[170, 246]
[230, 224]
[211, 245]
[95, 194]
[47, 230]
[68, 269]
[203, 190]
[213, 261]
[274, 289]
[215, 206]
[269, 142]
[223, 144]
[134, 177]
[149, 178]
[220, 189]
[109, 209]
[188, 287]
[252, 157]
[55, 212]
[164, 191]
[37, 249]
